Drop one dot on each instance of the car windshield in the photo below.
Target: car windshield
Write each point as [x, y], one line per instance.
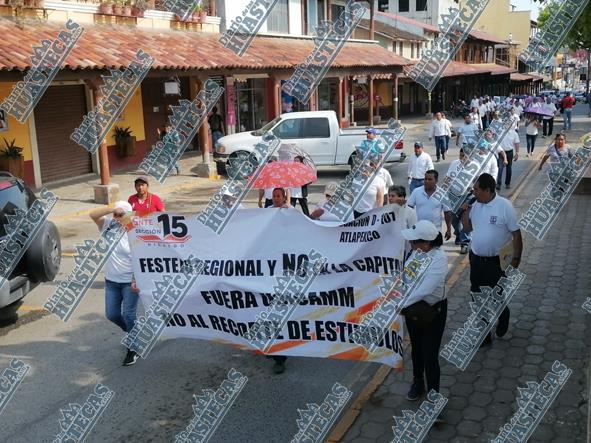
[12, 196]
[267, 127]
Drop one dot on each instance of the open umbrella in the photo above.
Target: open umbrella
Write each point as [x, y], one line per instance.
[538, 111]
[286, 172]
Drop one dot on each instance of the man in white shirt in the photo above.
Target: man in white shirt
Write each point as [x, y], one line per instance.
[515, 118]
[429, 208]
[448, 127]
[387, 179]
[474, 103]
[483, 111]
[438, 130]
[510, 144]
[493, 222]
[419, 164]
[548, 120]
[467, 132]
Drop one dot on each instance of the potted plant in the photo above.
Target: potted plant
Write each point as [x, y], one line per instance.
[203, 11]
[127, 8]
[106, 7]
[137, 10]
[118, 7]
[12, 160]
[122, 137]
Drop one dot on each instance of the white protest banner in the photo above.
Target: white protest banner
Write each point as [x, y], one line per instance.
[242, 267]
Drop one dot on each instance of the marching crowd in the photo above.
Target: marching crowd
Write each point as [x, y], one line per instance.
[484, 225]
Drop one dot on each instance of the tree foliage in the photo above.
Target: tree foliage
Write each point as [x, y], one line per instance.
[579, 37]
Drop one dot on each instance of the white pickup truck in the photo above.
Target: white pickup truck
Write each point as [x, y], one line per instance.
[316, 132]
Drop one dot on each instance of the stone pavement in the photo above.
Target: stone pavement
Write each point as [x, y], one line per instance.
[547, 324]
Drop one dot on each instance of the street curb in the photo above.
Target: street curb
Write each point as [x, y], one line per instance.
[460, 263]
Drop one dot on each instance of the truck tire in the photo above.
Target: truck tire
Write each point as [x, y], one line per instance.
[352, 160]
[44, 254]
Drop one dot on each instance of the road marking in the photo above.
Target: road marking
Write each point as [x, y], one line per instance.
[69, 254]
[27, 308]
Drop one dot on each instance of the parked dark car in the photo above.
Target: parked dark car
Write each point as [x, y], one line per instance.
[41, 261]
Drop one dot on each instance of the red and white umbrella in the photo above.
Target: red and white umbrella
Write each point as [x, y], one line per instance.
[287, 172]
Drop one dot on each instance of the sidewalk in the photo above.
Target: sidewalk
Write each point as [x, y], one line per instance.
[547, 324]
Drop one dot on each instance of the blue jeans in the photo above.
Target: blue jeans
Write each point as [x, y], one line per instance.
[215, 136]
[567, 117]
[446, 142]
[462, 236]
[120, 304]
[440, 145]
[415, 183]
[531, 143]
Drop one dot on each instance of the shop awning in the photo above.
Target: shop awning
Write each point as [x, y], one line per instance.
[517, 77]
[456, 69]
[108, 47]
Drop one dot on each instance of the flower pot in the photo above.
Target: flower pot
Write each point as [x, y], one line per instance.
[130, 146]
[203, 16]
[106, 8]
[117, 9]
[16, 166]
[39, 4]
[121, 144]
[127, 10]
[136, 12]
[29, 3]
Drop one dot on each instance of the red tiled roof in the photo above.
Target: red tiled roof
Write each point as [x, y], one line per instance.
[392, 31]
[481, 35]
[103, 46]
[409, 21]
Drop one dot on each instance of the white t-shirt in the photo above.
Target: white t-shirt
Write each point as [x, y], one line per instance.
[509, 140]
[474, 103]
[515, 123]
[531, 128]
[368, 201]
[329, 216]
[491, 166]
[419, 165]
[467, 133]
[492, 225]
[296, 192]
[118, 268]
[427, 207]
[432, 287]
[387, 178]
[550, 107]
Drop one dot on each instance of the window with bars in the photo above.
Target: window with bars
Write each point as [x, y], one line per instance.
[278, 20]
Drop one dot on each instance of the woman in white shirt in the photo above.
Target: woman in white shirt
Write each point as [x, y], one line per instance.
[425, 337]
[120, 291]
[300, 194]
[531, 132]
[373, 197]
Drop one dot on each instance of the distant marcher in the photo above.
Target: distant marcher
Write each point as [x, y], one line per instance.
[321, 212]
[216, 125]
[372, 143]
[475, 116]
[164, 136]
[462, 238]
[548, 120]
[372, 198]
[474, 103]
[425, 336]
[448, 127]
[438, 129]
[429, 207]
[466, 133]
[419, 164]
[510, 144]
[483, 111]
[492, 220]
[532, 125]
[143, 200]
[558, 151]
[120, 291]
[388, 182]
[567, 104]
[300, 194]
[279, 198]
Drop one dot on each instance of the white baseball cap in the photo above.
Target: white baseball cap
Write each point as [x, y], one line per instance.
[422, 230]
[122, 204]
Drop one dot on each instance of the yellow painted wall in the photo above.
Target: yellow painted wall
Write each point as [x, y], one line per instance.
[133, 116]
[498, 20]
[16, 130]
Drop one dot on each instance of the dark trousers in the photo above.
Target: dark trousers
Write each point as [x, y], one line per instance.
[484, 122]
[486, 271]
[548, 124]
[446, 142]
[531, 143]
[268, 202]
[425, 342]
[303, 203]
[440, 146]
[502, 166]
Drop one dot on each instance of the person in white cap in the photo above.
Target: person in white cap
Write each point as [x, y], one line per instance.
[321, 212]
[120, 291]
[425, 336]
